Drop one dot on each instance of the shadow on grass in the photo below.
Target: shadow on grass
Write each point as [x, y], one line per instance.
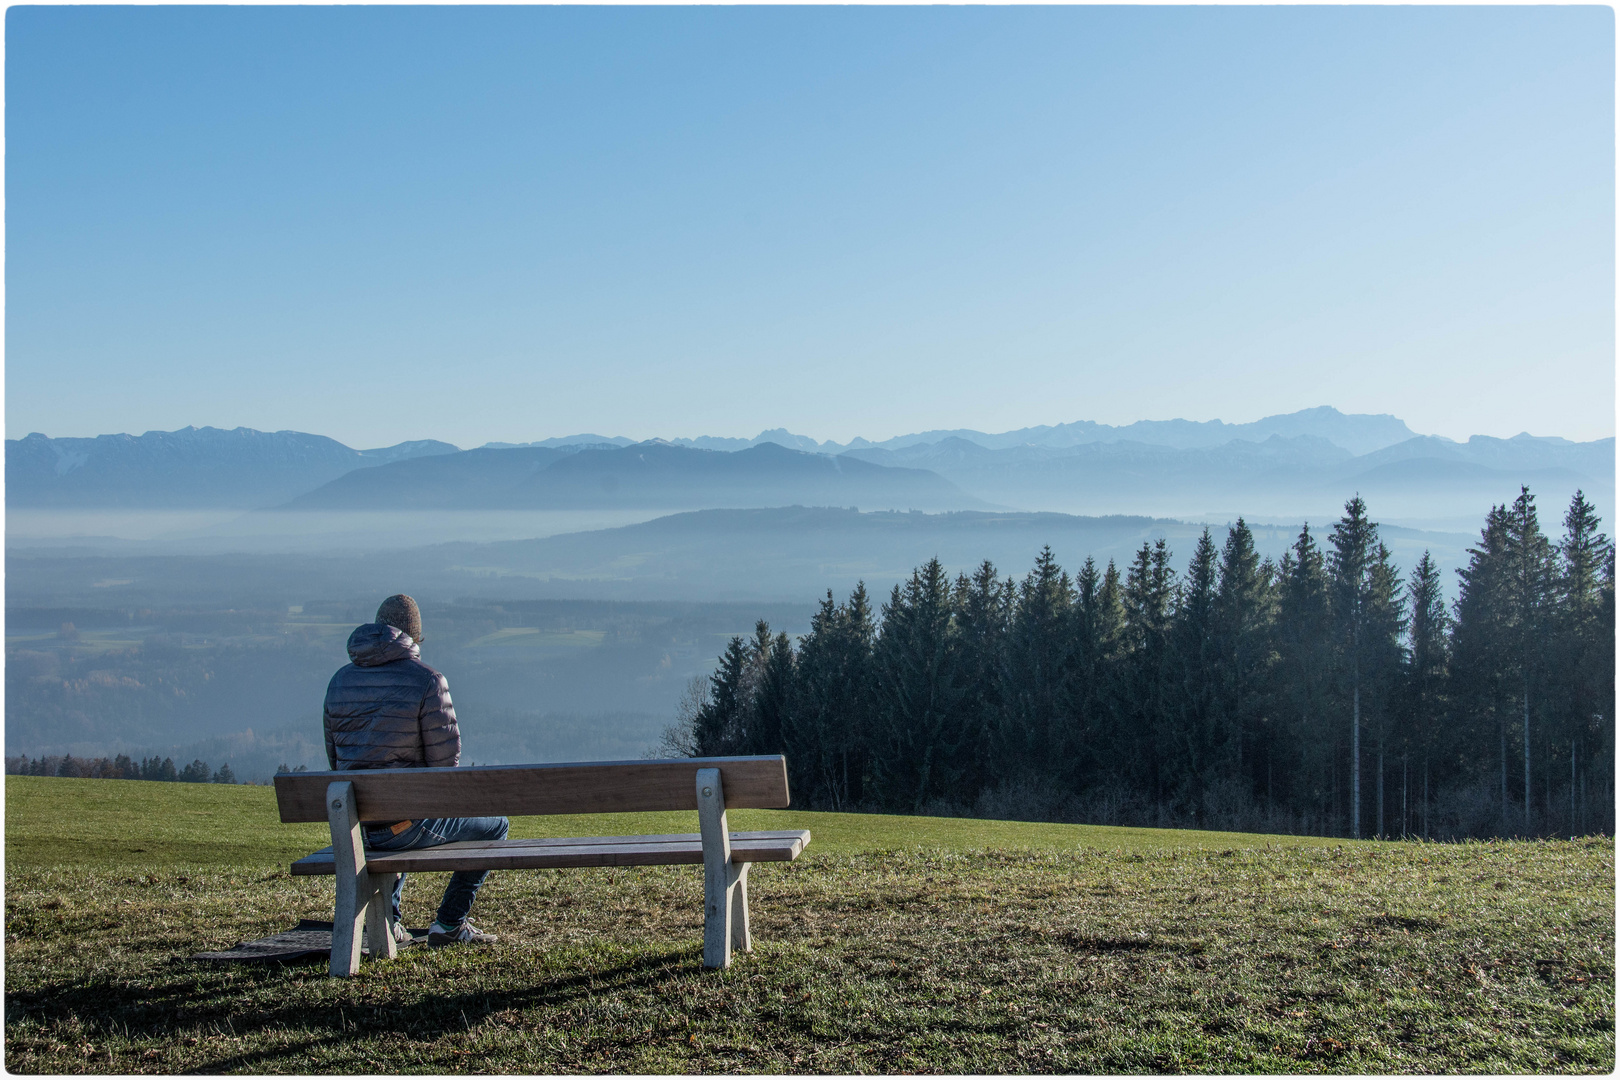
[1402, 922]
[1087, 944]
[189, 1000]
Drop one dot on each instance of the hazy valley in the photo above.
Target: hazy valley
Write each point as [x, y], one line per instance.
[188, 593]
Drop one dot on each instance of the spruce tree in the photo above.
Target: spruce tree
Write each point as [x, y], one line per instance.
[858, 633]
[1602, 751]
[1424, 682]
[1530, 571]
[1585, 642]
[1303, 675]
[1350, 566]
[1145, 677]
[1036, 730]
[1383, 655]
[1245, 609]
[1191, 738]
[826, 725]
[717, 728]
[1482, 653]
[1097, 626]
[772, 662]
[983, 605]
[921, 724]
[806, 734]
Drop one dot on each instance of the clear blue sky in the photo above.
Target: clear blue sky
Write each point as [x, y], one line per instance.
[511, 223]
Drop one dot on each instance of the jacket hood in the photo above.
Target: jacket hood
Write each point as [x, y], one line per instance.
[378, 643]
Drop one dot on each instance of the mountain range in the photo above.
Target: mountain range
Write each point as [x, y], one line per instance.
[1299, 465]
[1421, 476]
[1359, 433]
[185, 469]
[653, 475]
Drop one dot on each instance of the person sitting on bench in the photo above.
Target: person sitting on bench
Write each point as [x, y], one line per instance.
[388, 710]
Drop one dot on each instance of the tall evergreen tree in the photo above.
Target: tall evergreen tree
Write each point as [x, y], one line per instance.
[1383, 655]
[1142, 702]
[1602, 745]
[717, 729]
[1192, 732]
[1304, 674]
[825, 727]
[1350, 566]
[1423, 690]
[1036, 728]
[1530, 571]
[918, 693]
[772, 662]
[1482, 653]
[1097, 627]
[1245, 608]
[1585, 641]
[983, 605]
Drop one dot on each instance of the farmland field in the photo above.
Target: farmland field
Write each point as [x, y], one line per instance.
[894, 944]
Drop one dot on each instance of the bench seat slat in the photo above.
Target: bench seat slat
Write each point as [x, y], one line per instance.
[659, 850]
[601, 787]
[577, 841]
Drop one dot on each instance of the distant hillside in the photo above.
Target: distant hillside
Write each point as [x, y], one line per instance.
[469, 479]
[564, 440]
[1418, 479]
[655, 475]
[1300, 465]
[788, 554]
[189, 468]
[664, 475]
[802, 551]
[1127, 459]
[1358, 433]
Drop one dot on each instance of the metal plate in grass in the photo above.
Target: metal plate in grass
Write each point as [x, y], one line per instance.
[309, 940]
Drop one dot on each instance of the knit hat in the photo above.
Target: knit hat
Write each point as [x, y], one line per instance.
[401, 612]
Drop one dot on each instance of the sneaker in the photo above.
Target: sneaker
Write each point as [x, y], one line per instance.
[465, 934]
[402, 936]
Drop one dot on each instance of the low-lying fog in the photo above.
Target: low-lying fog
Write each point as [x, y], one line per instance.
[204, 532]
[569, 634]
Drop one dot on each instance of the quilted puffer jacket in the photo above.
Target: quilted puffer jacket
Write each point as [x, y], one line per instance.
[387, 709]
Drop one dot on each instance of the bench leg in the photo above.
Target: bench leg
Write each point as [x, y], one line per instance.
[348, 919]
[719, 873]
[355, 887]
[740, 939]
[380, 917]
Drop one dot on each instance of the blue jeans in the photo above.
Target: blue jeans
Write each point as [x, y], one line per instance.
[431, 832]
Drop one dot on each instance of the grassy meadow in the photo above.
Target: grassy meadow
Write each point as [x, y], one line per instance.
[895, 944]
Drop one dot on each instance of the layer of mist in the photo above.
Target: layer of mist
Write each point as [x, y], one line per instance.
[274, 531]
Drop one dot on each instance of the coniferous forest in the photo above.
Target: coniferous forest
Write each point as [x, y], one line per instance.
[1325, 693]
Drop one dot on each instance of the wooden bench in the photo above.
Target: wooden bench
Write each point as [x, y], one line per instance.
[365, 881]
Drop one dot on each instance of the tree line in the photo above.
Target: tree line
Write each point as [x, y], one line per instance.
[122, 767]
[1323, 693]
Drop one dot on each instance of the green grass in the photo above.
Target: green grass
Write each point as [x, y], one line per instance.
[894, 944]
[106, 824]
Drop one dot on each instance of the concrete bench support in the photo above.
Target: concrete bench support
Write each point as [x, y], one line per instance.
[725, 883]
[363, 916]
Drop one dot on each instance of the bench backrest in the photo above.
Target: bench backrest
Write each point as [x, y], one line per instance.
[594, 787]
